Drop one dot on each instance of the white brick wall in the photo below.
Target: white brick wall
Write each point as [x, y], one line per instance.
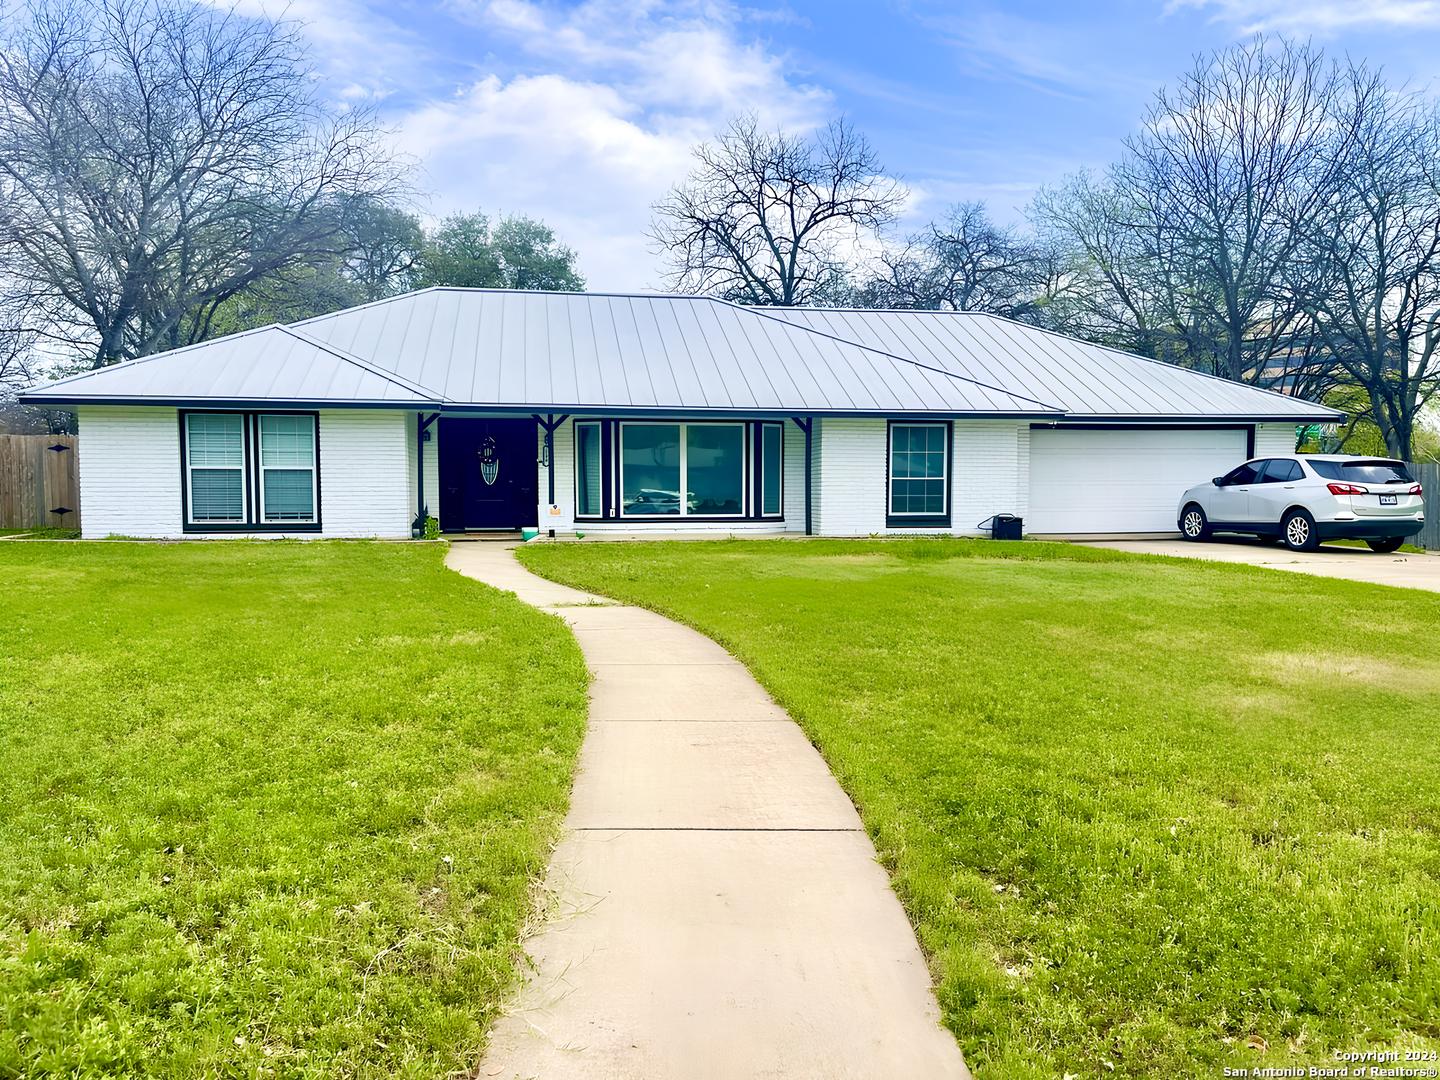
[364, 467]
[130, 473]
[989, 469]
[1274, 439]
[849, 476]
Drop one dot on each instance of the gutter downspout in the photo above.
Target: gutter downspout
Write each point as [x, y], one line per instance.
[807, 425]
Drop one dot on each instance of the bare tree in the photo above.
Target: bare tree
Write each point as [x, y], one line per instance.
[964, 263]
[1220, 187]
[1368, 275]
[17, 358]
[159, 156]
[1107, 287]
[774, 218]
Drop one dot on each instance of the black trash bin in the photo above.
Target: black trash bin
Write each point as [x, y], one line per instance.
[1004, 527]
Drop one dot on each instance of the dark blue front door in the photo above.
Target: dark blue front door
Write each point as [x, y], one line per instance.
[487, 474]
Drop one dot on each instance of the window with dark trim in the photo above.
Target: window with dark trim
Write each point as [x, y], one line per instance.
[250, 471]
[708, 470]
[589, 469]
[919, 474]
[772, 470]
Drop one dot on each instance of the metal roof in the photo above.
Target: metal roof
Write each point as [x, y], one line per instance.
[1086, 380]
[594, 352]
[265, 365]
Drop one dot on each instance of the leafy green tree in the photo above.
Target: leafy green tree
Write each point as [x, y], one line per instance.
[466, 250]
[375, 254]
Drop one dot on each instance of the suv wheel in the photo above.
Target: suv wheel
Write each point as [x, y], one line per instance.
[1193, 523]
[1389, 544]
[1298, 531]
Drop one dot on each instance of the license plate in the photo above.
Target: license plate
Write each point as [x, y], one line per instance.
[1387, 500]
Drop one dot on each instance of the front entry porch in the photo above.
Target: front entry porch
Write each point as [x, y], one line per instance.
[487, 474]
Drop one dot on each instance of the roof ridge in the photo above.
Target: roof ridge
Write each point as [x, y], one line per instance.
[1118, 352]
[762, 313]
[496, 289]
[366, 365]
[1164, 364]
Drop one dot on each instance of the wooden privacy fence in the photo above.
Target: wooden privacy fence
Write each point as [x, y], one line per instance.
[39, 482]
[1429, 477]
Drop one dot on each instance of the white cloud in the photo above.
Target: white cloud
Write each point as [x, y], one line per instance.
[596, 118]
[1323, 17]
[361, 52]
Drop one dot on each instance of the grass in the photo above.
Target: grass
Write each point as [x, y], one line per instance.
[268, 809]
[1404, 549]
[47, 532]
[1150, 817]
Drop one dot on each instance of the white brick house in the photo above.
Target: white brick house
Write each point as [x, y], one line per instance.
[651, 414]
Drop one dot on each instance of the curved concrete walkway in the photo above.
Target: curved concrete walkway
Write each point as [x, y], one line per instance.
[717, 910]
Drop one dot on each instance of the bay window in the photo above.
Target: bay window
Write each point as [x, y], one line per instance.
[250, 471]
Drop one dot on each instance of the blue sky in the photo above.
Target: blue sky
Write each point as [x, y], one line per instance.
[583, 113]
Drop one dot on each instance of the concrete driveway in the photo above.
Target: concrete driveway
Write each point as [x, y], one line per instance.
[1353, 564]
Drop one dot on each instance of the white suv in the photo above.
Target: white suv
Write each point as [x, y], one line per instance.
[1304, 500]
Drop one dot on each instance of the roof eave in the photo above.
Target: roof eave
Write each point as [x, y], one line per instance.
[70, 400]
[1322, 417]
[457, 407]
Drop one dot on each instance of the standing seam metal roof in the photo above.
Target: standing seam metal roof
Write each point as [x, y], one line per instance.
[478, 348]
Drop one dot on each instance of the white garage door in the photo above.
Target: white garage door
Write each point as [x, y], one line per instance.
[1094, 481]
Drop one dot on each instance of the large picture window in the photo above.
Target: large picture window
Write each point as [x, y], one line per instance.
[682, 470]
[919, 471]
[250, 471]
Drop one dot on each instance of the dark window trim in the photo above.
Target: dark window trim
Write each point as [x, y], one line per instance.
[759, 492]
[575, 426]
[611, 441]
[917, 521]
[251, 469]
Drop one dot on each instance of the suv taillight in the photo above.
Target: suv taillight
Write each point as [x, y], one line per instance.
[1347, 489]
[1417, 490]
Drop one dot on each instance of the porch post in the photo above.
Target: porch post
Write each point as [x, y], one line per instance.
[422, 425]
[807, 424]
[550, 422]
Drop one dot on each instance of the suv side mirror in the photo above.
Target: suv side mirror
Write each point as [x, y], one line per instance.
[1219, 481]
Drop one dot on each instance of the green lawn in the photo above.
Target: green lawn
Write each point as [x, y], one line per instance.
[268, 809]
[1150, 817]
[1404, 549]
[46, 532]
